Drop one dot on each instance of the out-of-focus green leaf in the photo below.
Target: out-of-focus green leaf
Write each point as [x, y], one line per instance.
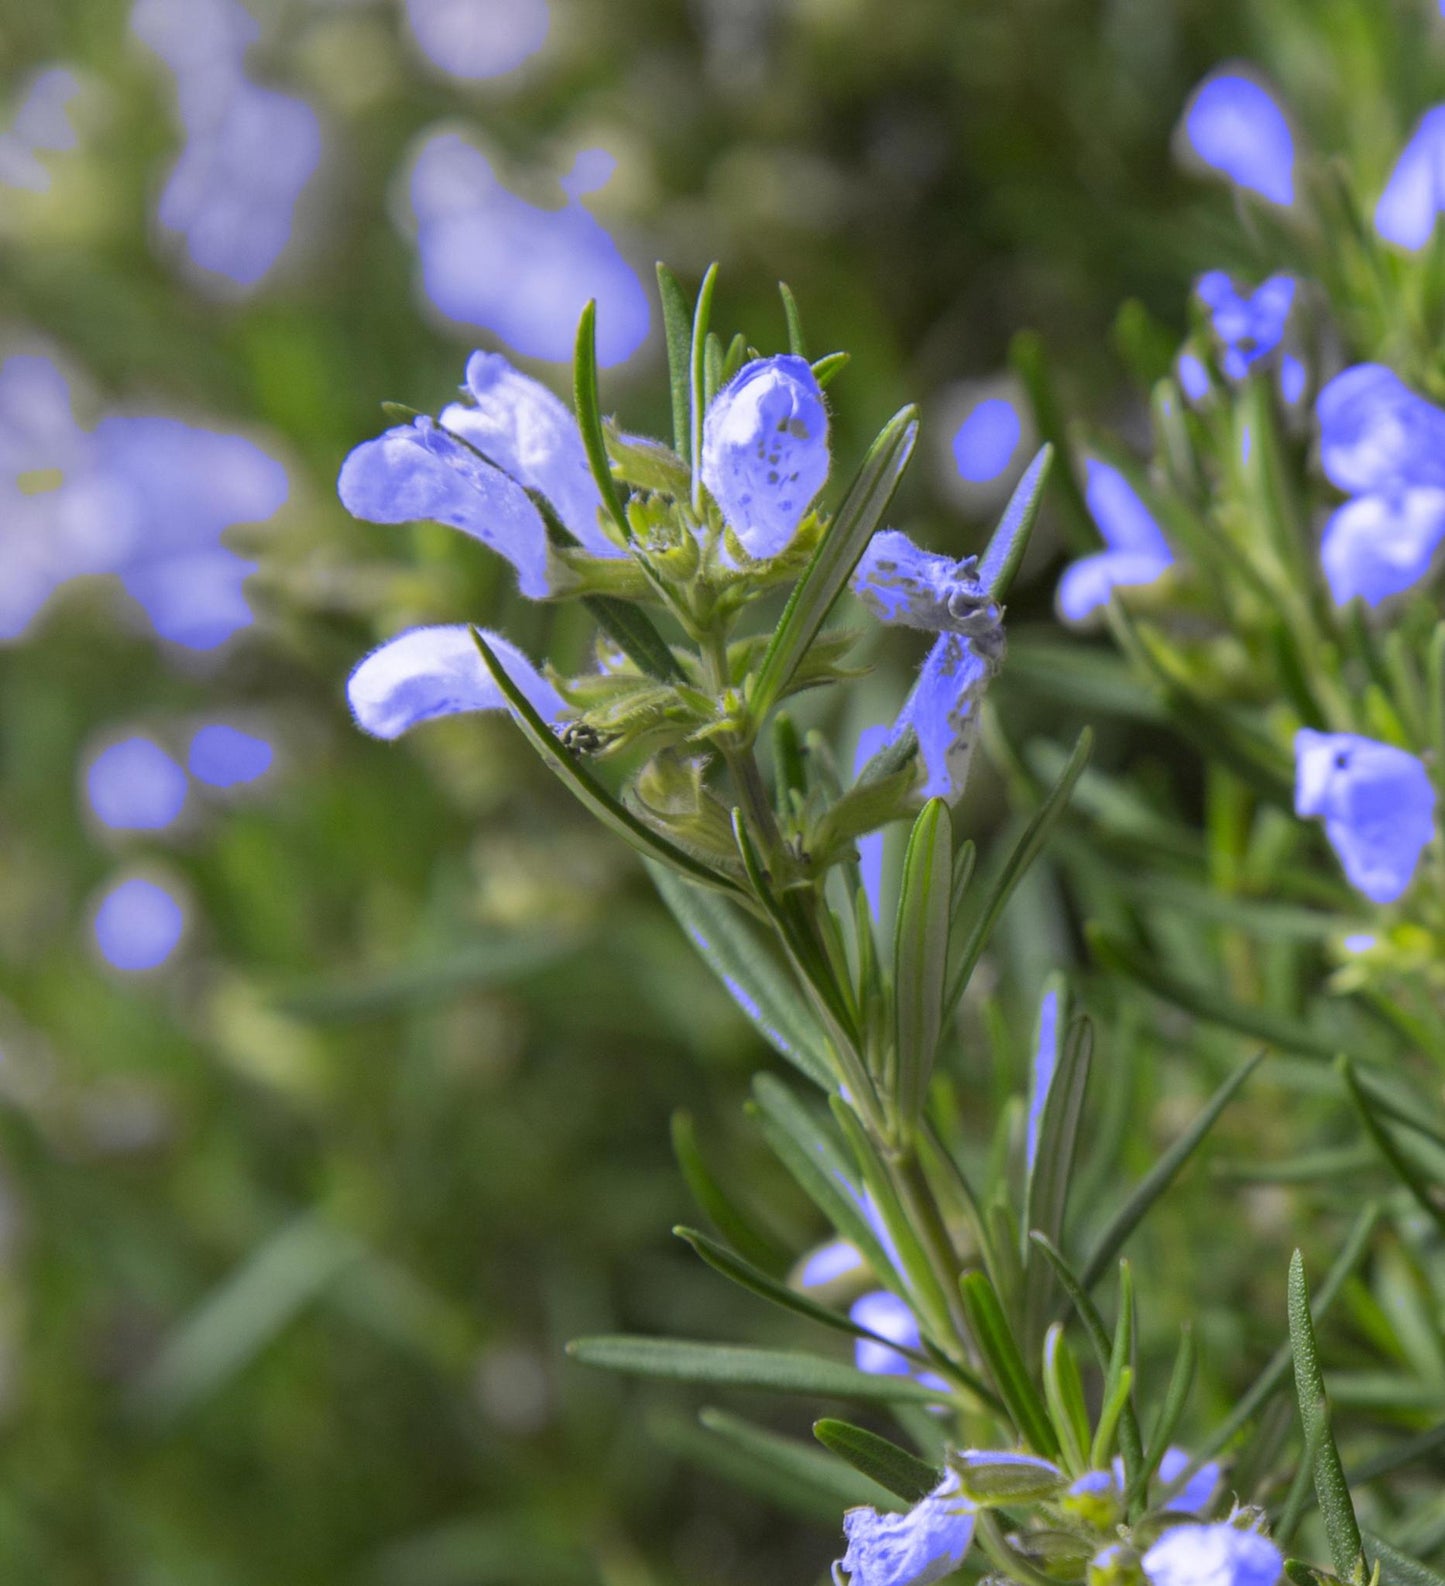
[740, 1366]
[920, 954]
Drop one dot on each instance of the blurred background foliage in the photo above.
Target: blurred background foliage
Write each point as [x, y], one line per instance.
[295, 1225]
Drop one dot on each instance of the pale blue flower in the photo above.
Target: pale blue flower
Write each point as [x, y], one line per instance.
[418, 471]
[899, 583]
[471, 233]
[1415, 194]
[138, 925]
[888, 1316]
[1193, 376]
[145, 498]
[1213, 1555]
[473, 39]
[914, 1549]
[1377, 804]
[1137, 551]
[870, 846]
[1293, 377]
[41, 123]
[430, 672]
[134, 785]
[1046, 1057]
[1378, 546]
[829, 1262]
[765, 450]
[223, 756]
[1249, 326]
[1376, 434]
[987, 439]
[250, 151]
[531, 434]
[1196, 1495]
[1235, 127]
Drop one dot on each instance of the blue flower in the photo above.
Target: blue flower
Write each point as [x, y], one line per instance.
[828, 1263]
[142, 497]
[1213, 1555]
[1385, 445]
[914, 1549]
[1250, 326]
[532, 435]
[250, 151]
[41, 123]
[1235, 127]
[1046, 1057]
[1415, 194]
[885, 1314]
[1193, 376]
[987, 440]
[1137, 550]
[899, 583]
[1377, 803]
[471, 232]
[134, 785]
[1377, 434]
[422, 470]
[1378, 546]
[430, 672]
[765, 451]
[138, 925]
[1196, 1495]
[478, 38]
[223, 756]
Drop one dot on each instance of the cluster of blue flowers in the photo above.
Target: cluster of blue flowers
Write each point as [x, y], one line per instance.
[145, 498]
[133, 786]
[765, 457]
[1379, 442]
[250, 150]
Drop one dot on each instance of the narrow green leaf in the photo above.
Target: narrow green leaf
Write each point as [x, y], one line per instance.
[920, 954]
[747, 1276]
[712, 366]
[1207, 1002]
[739, 1366]
[1276, 1370]
[589, 417]
[1399, 1569]
[715, 1203]
[677, 327]
[1115, 1413]
[1029, 360]
[1050, 1173]
[262, 1295]
[1120, 1408]
[830, 364]
[1176, 1395]
[634, 633]
[778, 1458]
[731, 949]
[1064, 1391]
[1331, 1489]
[1121, 1356]
[1025, 851]
[818, 1166]
[590, 792]
[994, 1337]
[796, 344]
[832, 564]
[1413, 1180]
[697, 377]
[902, 1473]
[1005, 549]
[1161, 1175]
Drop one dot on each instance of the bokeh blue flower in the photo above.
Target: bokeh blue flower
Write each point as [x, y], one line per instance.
[134, 785]
[1213, 1555]
[1415, 193]
[138, 925]
[223, 756]
[41, 125]
[471, 231]
[475, 39]
[1234, 126]
[1377, 803]
[1137, 551]
[1249, 325]
[985, 443]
